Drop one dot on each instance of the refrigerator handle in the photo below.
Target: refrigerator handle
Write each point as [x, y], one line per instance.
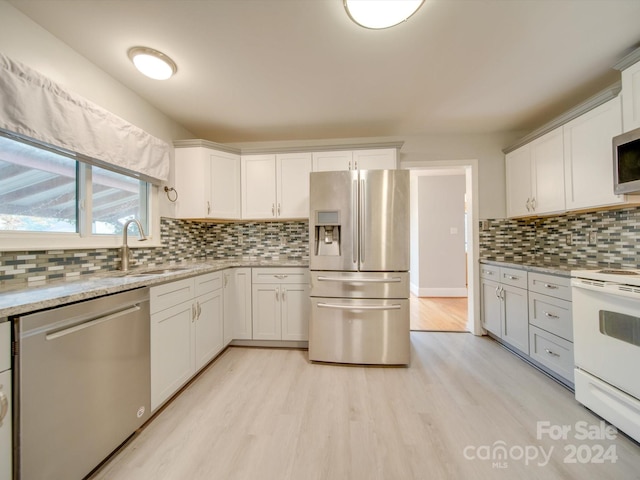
[362, 220]
[355, 221]
[359, 280]
[394, 306]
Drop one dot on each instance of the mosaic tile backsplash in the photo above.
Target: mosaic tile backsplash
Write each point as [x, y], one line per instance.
[181, 240]
[566, 239]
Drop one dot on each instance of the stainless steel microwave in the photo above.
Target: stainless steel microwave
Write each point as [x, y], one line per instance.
[626, 162]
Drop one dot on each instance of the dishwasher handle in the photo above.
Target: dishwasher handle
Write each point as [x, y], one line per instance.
[92, 322]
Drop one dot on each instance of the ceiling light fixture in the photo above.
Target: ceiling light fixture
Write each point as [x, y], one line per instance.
[152, 63]
[377, 14]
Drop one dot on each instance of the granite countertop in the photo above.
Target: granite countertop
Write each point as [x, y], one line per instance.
[19, 300]
[561, 269]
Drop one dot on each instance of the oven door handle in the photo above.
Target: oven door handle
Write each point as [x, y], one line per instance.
[360, 307]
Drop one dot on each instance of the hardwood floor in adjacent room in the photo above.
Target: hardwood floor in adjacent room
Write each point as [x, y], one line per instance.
[444, 314]
[269, 414]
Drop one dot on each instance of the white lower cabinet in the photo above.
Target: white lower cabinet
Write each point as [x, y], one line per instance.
[280, 298]
[237, 304]
[186, 331]
[5, 401]
[504, 305]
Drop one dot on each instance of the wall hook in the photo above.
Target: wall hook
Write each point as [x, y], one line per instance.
[168, 191]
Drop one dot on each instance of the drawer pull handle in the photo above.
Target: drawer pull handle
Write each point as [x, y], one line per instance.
[360, 307]
[487, 272]
[360, 280]
[281, 276]
[550, 315]
[548, 285]
[551, 352]
[512, 277]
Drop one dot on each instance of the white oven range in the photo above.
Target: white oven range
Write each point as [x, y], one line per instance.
[606, 335]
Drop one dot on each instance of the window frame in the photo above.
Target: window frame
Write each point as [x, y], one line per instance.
[84, 239]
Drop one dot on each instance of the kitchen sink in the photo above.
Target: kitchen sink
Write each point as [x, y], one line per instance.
[156, 271]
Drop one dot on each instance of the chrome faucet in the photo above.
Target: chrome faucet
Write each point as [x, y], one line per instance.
[125, 251]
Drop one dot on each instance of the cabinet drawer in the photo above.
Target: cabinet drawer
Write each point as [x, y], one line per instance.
[490, 272]
[551, 351]
[5, 346]
[208, 283]
[170, 294]
[559, 287]
[513, 276]
[551, 314]
[280, 275]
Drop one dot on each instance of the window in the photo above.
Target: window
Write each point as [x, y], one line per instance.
[45, 192]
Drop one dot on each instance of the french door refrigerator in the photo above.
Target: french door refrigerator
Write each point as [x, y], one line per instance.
[359, 262]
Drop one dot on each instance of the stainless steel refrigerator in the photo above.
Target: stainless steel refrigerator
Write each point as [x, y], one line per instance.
[359, 261]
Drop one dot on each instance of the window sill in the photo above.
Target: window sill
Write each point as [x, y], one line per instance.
[20, 242]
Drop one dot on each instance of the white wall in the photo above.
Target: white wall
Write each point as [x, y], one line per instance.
[441, 219]
[25, 41]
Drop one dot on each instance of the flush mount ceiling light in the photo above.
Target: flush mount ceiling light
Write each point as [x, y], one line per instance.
[152, 63]
[379, 14]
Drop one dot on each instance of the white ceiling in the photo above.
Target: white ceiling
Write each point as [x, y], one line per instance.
[259, 70]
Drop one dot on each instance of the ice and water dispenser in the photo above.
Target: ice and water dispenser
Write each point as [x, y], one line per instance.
[327, 234]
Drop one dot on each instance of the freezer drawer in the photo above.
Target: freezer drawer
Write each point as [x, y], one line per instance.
[360, 284]
[365, 331]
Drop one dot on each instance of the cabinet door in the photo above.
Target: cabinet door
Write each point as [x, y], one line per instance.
[376, 159]
[295, 311]
[588, 157]
[266, 312]
[5, 428]
[225, 185]
[237, 305]
[258, 186]
[491, 307]
[208, 326]
[332, 161]
[547, 163]
[192, 182]
[293, 185]
[515, 318]
[172, 362]
[631, 97]
[518, 172]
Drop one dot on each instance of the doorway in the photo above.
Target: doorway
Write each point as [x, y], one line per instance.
[443, 246]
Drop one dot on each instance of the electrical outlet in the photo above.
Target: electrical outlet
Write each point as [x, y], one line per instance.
[568, 238]
[593, 238]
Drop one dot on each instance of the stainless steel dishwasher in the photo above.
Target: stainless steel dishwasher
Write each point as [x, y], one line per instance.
[82, 384]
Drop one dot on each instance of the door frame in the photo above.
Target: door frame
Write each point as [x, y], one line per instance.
[470, 167]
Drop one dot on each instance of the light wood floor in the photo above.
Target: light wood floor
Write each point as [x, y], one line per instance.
[446, 314]
[268, 414]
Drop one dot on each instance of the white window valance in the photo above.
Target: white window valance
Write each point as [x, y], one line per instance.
[36, 107]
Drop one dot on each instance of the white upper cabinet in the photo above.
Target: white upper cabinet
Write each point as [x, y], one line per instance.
[588, 157]
[332, 161]
[372, 159]
[518, 173]
[631, 97]
[547, 163]
[535, 177]
[292, 171]
[207, 183]
[275, 186]
[376, 159]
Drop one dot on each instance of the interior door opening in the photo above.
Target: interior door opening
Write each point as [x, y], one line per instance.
[444, 245]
